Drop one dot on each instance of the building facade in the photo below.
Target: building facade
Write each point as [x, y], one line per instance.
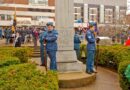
[29, 12]
[41, 11]
[101, 11]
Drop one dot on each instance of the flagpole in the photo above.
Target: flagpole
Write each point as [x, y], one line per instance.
[14, 19]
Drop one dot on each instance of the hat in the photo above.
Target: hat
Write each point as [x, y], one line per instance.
[92, 24]
[49, 24]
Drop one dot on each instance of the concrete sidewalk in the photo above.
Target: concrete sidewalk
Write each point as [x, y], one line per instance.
[2, 43]
[105, 80]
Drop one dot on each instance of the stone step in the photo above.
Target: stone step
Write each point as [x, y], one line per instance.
[36, 55]
[36, 52]
[70, 66]
[75, 79]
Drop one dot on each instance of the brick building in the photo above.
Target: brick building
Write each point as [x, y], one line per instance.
[101, 11]
[35, 12]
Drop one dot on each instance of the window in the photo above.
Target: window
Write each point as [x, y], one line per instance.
[93, 14]
[109, 15]
[122, 15]
[78, 12]
[75, 10]
[75, 16]
[2, 17]
[42, 2]
[8, 17]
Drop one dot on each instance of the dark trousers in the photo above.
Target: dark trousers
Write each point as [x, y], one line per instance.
[42, 53]
[90, 60]
[52, 56]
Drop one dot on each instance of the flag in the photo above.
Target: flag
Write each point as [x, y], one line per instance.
[14, 22]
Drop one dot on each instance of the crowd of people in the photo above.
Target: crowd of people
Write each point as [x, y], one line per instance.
[26, 35]
[48, 35]
[117, 35]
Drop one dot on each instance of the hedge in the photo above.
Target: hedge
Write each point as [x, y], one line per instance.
[27, 77]
[22, 53]
[116, 57]
[16, 73]
[113, 55]
[124, 83]
[7, 61]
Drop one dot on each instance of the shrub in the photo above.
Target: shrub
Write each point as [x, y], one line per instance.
[123, 80]
[83, 51]
[7, 61]
[22, 53]
[7, 51]
[116, 57]
[26, 77]
[113, 55]
[17, 76]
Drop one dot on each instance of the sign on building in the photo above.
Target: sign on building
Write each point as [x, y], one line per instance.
[128, 7]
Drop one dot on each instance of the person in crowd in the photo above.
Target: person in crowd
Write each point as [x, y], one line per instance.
[77, 43]
[23, 34]
[17, 42]
[91, 48]
[51, 44]
[35, 37]
[17, 30]
[27, 35]
[113, 39]
[8, 34]
[80, 29]
[122, 37]
[0, 33]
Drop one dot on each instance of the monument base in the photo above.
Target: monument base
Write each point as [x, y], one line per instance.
[67, 62]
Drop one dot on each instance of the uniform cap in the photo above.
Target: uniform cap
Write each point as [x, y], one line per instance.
[49, 24]
[92, 24]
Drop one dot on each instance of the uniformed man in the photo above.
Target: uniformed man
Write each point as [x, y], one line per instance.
[91, 48]
[0, 33]
[77, 43]
[42, 35]
[51, 44]
[8, 34]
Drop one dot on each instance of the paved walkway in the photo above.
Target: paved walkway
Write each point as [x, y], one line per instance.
[2, 43]
[106, 80]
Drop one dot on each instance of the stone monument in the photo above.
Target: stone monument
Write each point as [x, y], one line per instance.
[66, 56]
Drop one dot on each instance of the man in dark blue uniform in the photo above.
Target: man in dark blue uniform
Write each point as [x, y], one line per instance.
[77, 43]
[41, 37]
[0, 33]
[8, 34]
[91, 48]
[51, 44]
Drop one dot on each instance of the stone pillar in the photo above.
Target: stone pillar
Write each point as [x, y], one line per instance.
[102, 14]
[117, 13]
[66, 56]
[85, 13]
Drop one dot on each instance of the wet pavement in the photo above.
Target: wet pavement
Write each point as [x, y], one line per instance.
[106, 80]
